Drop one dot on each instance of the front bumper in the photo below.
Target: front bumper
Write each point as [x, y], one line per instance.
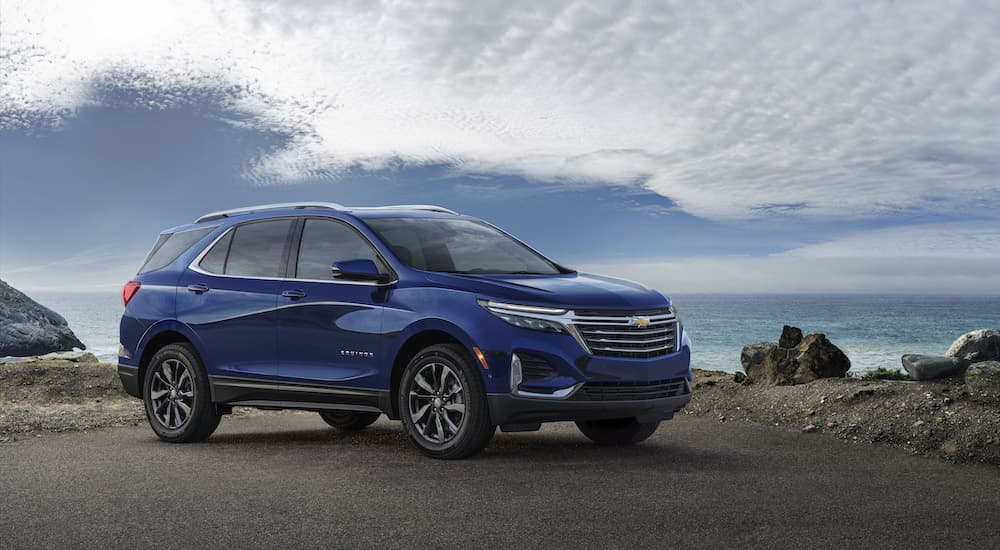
[509, 409]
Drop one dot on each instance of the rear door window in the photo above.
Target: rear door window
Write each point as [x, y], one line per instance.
[169, 247]
[259, 249]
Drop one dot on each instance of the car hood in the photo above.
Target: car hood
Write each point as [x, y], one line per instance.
[571, 290]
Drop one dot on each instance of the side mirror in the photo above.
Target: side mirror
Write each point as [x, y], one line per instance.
[358, 270]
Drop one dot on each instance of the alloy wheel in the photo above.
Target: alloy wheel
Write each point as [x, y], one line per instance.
[437, 403]
[172, 393]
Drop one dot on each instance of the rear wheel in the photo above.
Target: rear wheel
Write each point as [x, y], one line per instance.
[442, 401]
[618, 431]
[176, 396]
[349, 421]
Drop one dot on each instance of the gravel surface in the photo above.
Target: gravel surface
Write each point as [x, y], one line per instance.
[939, 418]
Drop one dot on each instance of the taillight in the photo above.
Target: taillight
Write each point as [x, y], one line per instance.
[129, 291]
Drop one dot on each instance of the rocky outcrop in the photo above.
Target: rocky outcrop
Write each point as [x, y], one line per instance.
[790, 337]
[754, 354]
[931, 367]
[28, 328]
[809, 358]
[976, 346]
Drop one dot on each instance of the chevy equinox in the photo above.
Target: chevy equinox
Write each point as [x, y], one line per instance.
[416, 312]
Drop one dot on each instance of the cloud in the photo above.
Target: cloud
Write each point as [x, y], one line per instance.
[948, 258]
[957, 240]
[841, 109]
[782, 274]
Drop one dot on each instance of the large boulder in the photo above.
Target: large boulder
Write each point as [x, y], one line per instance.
[814, 357]
[753, 355]
[28, 328]
[976, 346]
[931, 367]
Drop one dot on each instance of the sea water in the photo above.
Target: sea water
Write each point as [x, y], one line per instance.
[874, 330]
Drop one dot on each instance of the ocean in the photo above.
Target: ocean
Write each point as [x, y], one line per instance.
[874, 330]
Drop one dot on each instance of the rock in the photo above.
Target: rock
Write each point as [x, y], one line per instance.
[74, 356]
[753, 354]
[790, 337]
[739, 377]
[28, 328]
[810, 428]
[931, 367]
[976, 346]
[814, 357]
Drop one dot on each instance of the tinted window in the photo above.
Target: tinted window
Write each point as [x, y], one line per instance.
[458, 246]
[215, 260]
[325, 242]
[169, 247]
[258, 249]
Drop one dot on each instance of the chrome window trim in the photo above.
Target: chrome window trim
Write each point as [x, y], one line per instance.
[193, 266]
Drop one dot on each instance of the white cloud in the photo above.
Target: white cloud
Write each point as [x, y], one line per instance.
[843, 109]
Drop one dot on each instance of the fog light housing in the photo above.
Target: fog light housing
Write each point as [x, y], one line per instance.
[516, 376]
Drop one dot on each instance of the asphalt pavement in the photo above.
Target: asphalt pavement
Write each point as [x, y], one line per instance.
[285, 480]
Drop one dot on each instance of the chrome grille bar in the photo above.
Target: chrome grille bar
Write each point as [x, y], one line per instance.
[640, 335]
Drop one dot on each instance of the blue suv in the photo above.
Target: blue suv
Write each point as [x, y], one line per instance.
[437, 319]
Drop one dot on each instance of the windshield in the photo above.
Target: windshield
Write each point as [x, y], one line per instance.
[458, 246]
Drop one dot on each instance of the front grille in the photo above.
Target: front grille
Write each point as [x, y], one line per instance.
[617, 334]
[632, 391]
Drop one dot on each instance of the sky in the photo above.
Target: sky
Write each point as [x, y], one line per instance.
[717, 146]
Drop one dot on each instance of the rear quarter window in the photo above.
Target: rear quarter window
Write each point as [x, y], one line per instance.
[170, 246]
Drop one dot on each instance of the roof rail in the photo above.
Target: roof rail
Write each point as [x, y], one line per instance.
[322, 205]
[427, 207]
[276, 206]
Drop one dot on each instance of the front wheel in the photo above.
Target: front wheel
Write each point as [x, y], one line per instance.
[442, 401]
[349, 421]
[618, 431]
[176, 396]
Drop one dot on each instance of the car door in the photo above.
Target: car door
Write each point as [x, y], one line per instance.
[329, 329]
[228, 298]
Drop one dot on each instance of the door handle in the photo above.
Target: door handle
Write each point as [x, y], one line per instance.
[293, 294]
[198, 288]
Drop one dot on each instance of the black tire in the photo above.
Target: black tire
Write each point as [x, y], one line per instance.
[618, 431]
[201, 419]
[474, 428]
[349, 421]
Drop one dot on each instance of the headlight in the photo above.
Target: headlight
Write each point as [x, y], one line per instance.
[529, 317]
[677, 314]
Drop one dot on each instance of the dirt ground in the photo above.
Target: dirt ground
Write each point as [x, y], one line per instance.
[936, 418]
[63, 396]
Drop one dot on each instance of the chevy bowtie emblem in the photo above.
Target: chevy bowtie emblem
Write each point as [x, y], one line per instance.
[639, 322]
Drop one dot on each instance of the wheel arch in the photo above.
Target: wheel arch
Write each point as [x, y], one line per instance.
[156, 338]
[418, 338]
